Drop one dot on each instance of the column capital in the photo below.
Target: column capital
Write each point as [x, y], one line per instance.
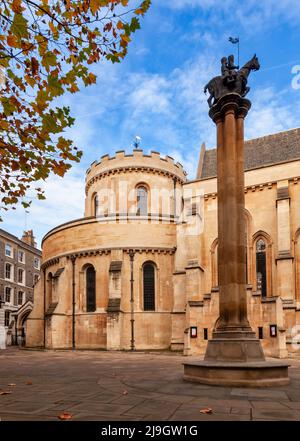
[230, 103]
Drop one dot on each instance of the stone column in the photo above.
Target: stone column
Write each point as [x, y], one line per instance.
[233, 338]
[234, 356]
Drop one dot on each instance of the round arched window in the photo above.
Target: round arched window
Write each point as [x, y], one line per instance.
[261, 269]
[149, 286]
[90, 289]
[142, 201]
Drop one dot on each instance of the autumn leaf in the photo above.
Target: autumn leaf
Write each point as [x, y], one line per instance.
[12, 40]
[74, 88]
[44, 53]
[65, 416]
[16, 6]
[95, 5]
[206, 410]
[126, 38]
[92, 78]
[52, 27]
[19, 26]
[49, 59]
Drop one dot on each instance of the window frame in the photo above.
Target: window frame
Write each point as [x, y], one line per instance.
[90, 305]
[11, 278]
[39, 263]
[264, 284]
[22, 301]
[152, 305]
[23, 282]
[6, 318]
[145, 206]
[11, 252]
[23, 253]
[6, 294]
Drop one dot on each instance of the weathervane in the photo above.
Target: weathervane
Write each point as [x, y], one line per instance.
[137, 142]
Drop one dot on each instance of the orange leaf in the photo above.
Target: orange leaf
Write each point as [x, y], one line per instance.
[126, 38]
[52, 27]
[206, 410]
[12, 40]
[120, 25]
[29, 383]
[95, 5]
[74, 88]
[17, 6]
[65, 416]
[92, 78]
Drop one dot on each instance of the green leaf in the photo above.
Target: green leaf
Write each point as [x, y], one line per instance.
[55, 86]
[49, 59]
[135, 24]
[8, 107]
[19, 26]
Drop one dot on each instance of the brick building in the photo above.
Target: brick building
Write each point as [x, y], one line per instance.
[20, 262]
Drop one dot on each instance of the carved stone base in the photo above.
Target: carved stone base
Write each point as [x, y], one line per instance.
[248, 374]
[234, 350]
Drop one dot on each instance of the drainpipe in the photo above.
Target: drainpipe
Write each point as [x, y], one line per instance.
[44, 272]
[73, 259]
[131, 255]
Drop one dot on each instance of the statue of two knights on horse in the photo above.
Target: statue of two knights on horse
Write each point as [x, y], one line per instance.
[232, 80]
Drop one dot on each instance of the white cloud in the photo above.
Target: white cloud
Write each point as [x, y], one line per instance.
[270, 113]
[150, 93]
[250, 14]
[64, 202]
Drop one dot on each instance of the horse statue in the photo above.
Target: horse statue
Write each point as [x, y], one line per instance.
[231, 80]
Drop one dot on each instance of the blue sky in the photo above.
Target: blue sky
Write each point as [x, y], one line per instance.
[157, 92]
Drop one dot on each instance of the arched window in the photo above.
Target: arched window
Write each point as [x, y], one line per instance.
[261, 270]
[96, 205]
[142, 201]
[149, 286]
[90, 289]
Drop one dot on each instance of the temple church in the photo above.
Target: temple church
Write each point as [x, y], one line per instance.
[139, 270]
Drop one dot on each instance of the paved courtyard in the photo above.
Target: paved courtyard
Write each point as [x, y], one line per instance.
[121, 386]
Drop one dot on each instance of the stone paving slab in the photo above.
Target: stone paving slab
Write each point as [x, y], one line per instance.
[120, 386]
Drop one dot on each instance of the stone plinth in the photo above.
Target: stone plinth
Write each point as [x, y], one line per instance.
[234, 374]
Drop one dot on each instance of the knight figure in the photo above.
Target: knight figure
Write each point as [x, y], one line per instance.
[232, 79]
